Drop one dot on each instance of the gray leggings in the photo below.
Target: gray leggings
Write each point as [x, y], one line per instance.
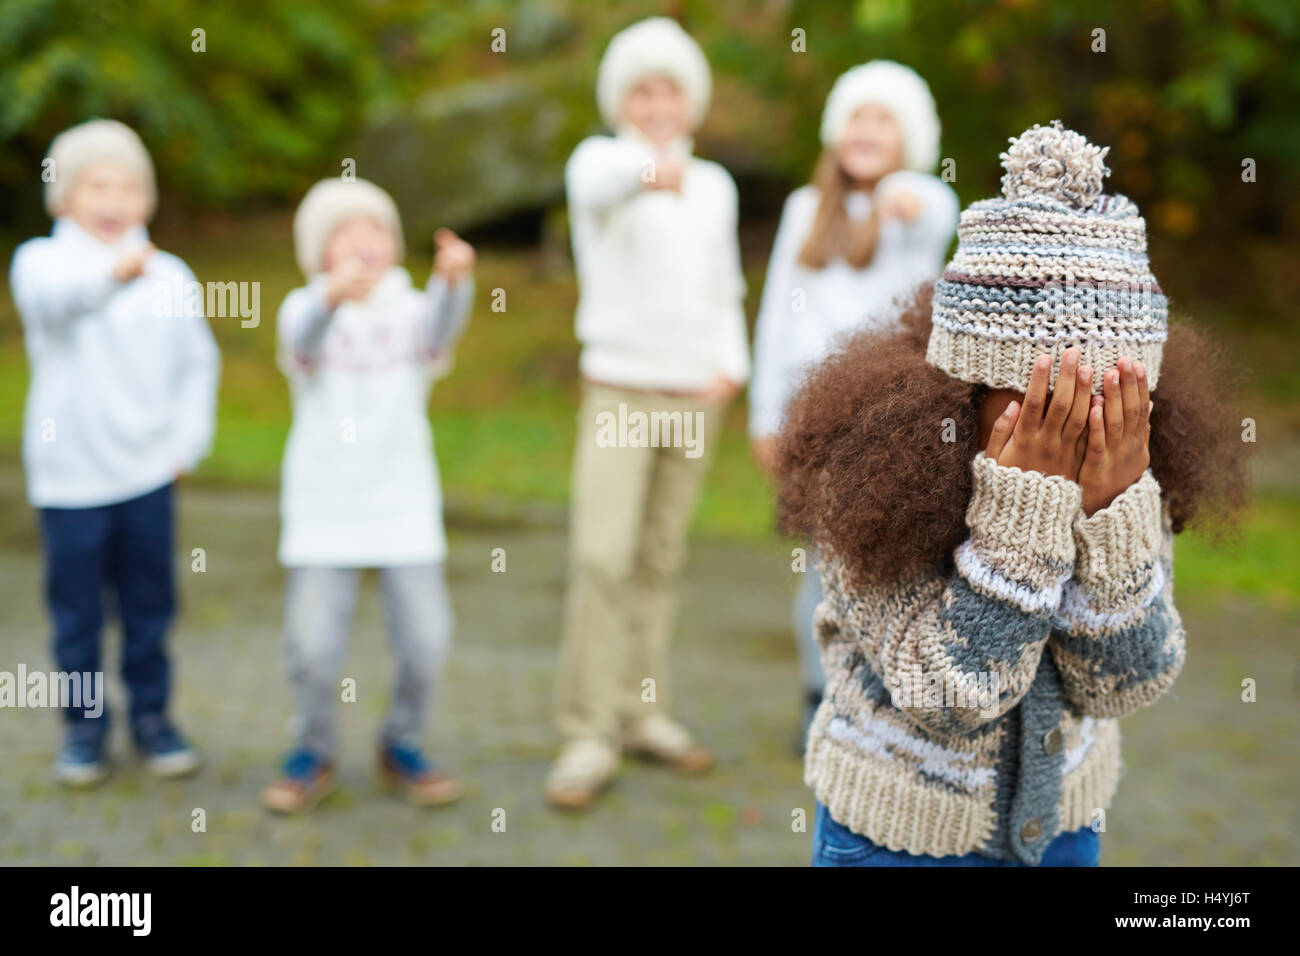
[806, 600]
[318, 615]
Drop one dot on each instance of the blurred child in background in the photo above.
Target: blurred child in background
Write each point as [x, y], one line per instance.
[361, 346]
[662, 326]
[122, 401]
[871, 226]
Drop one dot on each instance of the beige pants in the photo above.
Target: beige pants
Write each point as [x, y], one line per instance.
[630, 508]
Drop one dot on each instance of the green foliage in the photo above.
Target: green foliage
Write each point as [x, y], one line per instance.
[1183, 92]
[274, 88]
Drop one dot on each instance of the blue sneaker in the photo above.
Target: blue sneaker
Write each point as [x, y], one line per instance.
[405, 768]
[164, 750]
[82, 762]
[305, 780]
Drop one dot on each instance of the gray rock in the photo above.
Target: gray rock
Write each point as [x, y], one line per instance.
[477, 151]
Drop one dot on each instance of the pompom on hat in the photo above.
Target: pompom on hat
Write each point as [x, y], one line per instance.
[92, 142]
[657, 46]
[898, 89]
[329, 204]
[1051, 264]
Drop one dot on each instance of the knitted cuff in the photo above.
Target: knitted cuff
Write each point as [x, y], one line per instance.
[1023, 511]
[1124, 537]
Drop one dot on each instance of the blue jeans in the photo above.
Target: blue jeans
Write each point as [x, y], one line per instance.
[124, 549]
[836, 845]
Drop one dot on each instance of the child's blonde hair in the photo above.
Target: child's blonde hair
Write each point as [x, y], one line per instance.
[96, 141]
[833, 233]
[328, 205]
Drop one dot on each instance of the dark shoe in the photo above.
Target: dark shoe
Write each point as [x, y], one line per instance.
[82, 763]
[165, 751]
[406, 770]
[305, 780]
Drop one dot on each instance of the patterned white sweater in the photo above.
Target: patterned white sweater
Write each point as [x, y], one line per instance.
[360, 483]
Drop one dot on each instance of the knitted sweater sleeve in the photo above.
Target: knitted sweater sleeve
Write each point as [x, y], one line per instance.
[1119, 642]
[958, 651]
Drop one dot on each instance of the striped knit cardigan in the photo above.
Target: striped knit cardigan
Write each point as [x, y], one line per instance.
[976, 712]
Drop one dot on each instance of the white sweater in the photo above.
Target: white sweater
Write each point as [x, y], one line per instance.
[662, 292]
[124, 383]
[360, 484]
[839, 299]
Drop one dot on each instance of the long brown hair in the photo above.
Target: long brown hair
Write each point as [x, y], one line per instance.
[833, 233]
[874, 459]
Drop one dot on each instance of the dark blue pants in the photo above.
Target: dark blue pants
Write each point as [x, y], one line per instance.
[834, 844]
[121, 552]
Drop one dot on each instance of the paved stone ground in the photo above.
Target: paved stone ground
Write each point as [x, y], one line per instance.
[1210, 780]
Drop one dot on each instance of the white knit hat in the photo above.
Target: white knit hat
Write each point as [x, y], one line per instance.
[96, 141]
[898, 89]
[327, 205]
[654, 46]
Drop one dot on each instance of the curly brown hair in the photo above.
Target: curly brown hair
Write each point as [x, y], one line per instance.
[874, 459]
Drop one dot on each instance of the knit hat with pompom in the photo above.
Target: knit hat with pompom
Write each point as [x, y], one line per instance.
[1051, 264]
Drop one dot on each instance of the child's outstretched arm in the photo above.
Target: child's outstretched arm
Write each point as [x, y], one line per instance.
[306, 314]
[50, 291]
[450, 292]
[926, 207]
[603, 172]
[1121, 641]
[975, 639]
[304, 318]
